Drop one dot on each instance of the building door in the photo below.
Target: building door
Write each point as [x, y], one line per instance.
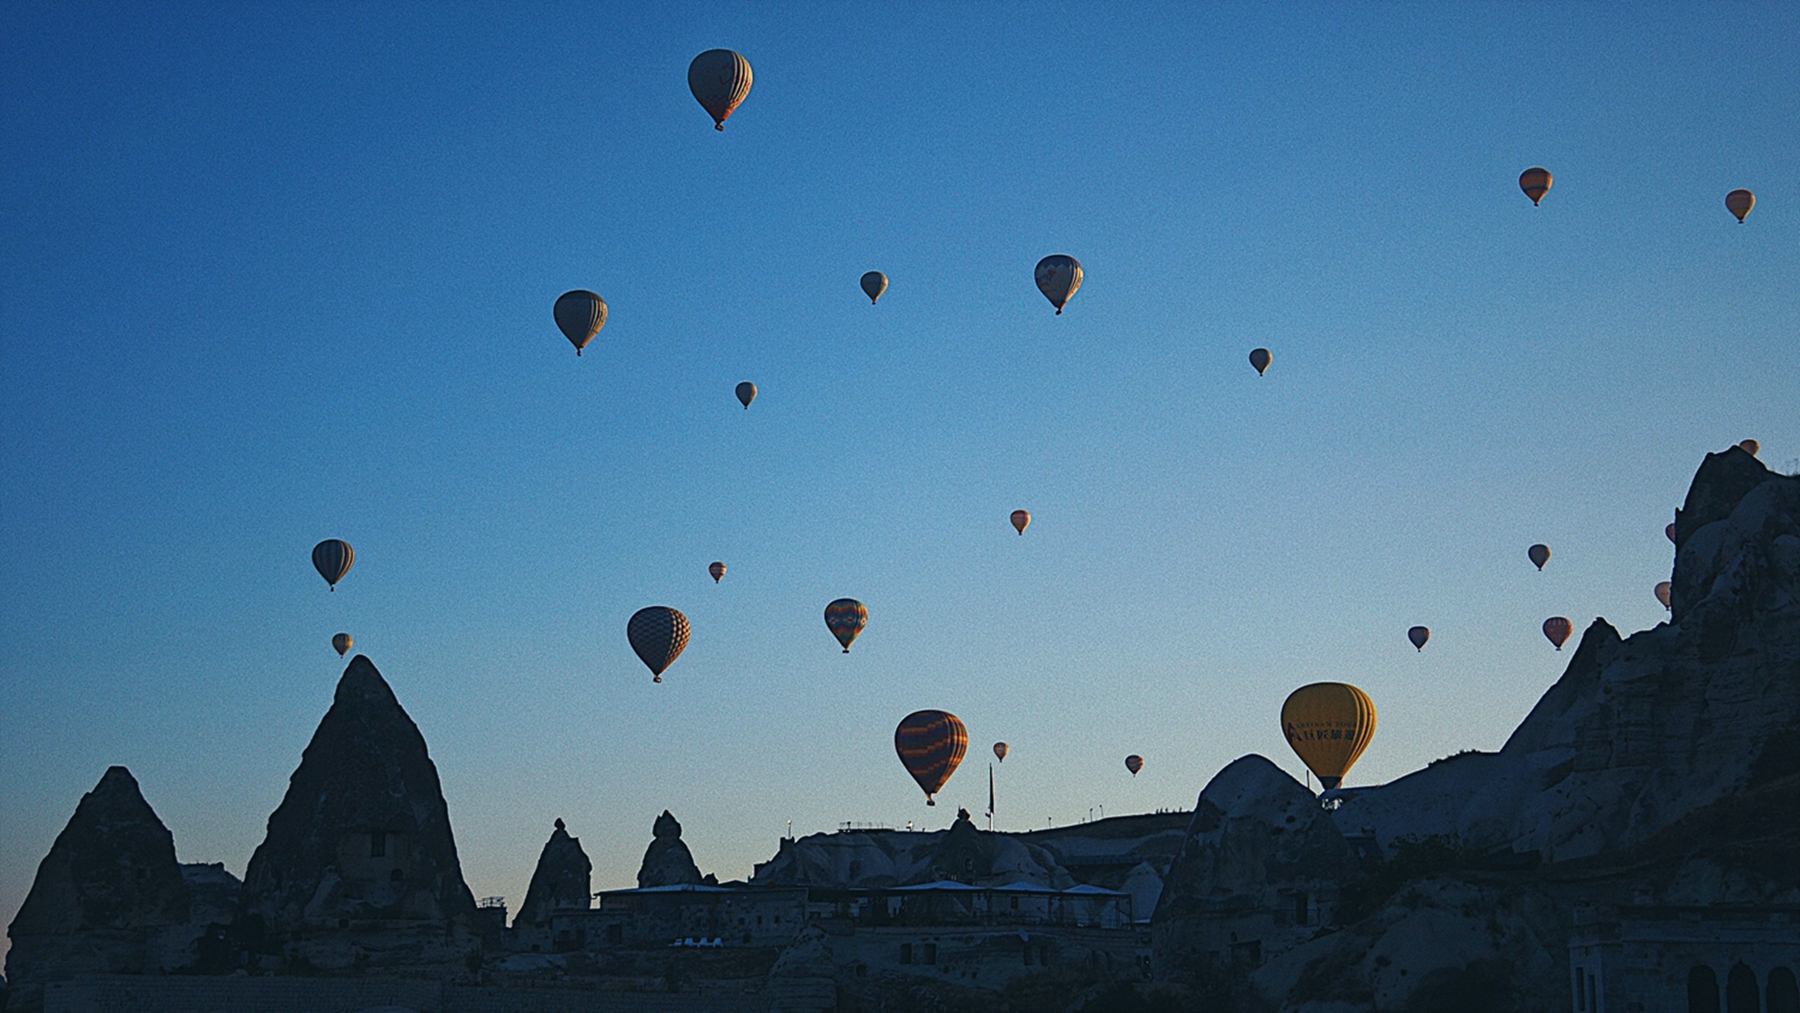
[1703, 990]
[1784, 996]
[1741, 993]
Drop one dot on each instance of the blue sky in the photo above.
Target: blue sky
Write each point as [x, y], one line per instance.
[274, 276]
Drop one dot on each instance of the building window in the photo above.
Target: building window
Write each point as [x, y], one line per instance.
[1580, 991]
[395, 875]
[1592, 1003]
[906, 953]
[1300, 911]
[1784, 995]
[1015, 903]
[928, 953]
[1741, 993]
[1703, 990]
[377, 844]
[615, 933]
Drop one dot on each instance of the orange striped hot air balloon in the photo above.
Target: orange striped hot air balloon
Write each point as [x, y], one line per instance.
[579, 315]
[1663, 591]
[1539, 554]
[1259, 357]
[1418, 635]
[1134, 763]
[1739, 202]
[717, 570]
[845, 618]
[1535, 181]
[930, 744]
[332, 558]
[1021, 519]
[658, 634]
[1328, 724]
[1058, 276]
[1558, 629]
[341, 643]
[719, 79]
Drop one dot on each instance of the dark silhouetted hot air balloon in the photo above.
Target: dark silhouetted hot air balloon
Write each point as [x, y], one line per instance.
[332, 558]
[580, 315]
[1259, 357]
[1535, 182]
[1000, 750]
[1670, 531]
[1558, 629]
[1058, 277]
[746, 393]
[845, 618]
[1418, 635]
[1739, 202]
[719, 79]
[1663, 590]
[931, 744]
[717, 570]
[1021, 519]
[873, 284]
[1539, 554]
[1750, 447]
[342, 643]
[1328, 724]
[1134, 763]
[657, 634]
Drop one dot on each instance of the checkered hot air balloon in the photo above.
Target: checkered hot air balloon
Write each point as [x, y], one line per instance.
[931, 744]
[657, 634]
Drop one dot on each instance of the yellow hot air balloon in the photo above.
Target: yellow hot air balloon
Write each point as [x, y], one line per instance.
[719, 79]
[1328, 724]
[1259, 357]
[1058, 276]
[1535, 181]
[579, 315]
[1739, 202]
[873, 284]
[342, 643]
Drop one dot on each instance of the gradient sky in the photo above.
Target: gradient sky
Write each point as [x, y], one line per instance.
[277, 275]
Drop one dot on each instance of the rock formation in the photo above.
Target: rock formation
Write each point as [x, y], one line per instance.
[667, 862]
[359, 867]
[562, 879]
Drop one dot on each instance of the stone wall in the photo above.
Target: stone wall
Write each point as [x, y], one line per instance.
[177, 994]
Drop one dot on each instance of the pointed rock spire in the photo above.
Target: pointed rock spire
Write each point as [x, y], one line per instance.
[563, 879]
[667, 862]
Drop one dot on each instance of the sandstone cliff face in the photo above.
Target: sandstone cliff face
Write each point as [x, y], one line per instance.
[562, 879]
[359, 867]
[667, 862]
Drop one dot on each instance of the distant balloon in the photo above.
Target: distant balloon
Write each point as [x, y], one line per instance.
[1259, 357]
[342, 643]
[1328, 724]
[1000, 750]
[1021, 519]
[1750, 447]
[873, 284]
[719, 79]
[332, 558]
[580, 314]
[845, 618]
[1058, 277]
[717, 570]
[1134, 763]
[1739, 202]
[1539, 554]
[930, 744]
[1535, 182]
[1670, 531]
[658, 634]
[1558, 629]
[1663, 590]
[746, 393]
[1418, 635]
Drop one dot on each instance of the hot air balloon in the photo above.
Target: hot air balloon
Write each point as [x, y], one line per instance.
[1539, 554]
[717, 570]
[1328, 724]
[1663, 589]
[746, 393]
[1134, 763]
[930, 744]
[1021, 519]
[580, 314]
[1259, 357]
[873, 284]
[1750, 447]
[719, 79]
[1418, 635]
[332, 558]
[1558, 629]
[1058, 277]
[1000, 749]
[1535, 182]
[657, 634]
[845, 618]
[1739, 202]
[342, 643]
[1670, 531]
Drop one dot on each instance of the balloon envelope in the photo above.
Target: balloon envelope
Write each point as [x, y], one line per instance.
[1058, 276]
[719, 79]
[1750, 447]
[342, 642]
[746, 393]
[1134, 763]
[1663, 591]
[1418, 635]
[1328, 724]
[1000, 750]
[1739, 202]
[1535, 181]
[332, 558]
[845, 618]
[717, 570]
[580, 315]
[1021, 519]
[657, 634]
[873, 284]
[1539, 554]
[930, 744]
[1259, 357]
[1670, 531]
[1558, 629]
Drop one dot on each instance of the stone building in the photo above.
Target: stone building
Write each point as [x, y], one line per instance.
[1685, 960]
